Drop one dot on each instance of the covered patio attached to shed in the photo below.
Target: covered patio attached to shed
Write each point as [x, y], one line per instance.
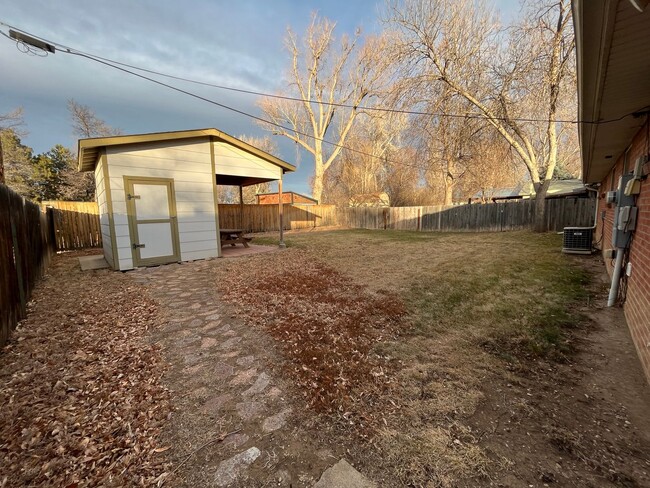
[157, 193]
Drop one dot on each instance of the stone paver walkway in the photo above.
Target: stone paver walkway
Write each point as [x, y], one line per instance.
[222, 378]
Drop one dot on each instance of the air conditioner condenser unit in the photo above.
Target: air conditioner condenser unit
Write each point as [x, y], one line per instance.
[578, 240]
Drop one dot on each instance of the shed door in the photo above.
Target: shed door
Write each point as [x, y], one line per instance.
[152, 221]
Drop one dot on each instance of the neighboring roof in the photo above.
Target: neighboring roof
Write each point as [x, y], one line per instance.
[290, 192]
[557, 188]
[88, 149]
[499, 193]
[613, 58]
[565, 188]
[378, 199]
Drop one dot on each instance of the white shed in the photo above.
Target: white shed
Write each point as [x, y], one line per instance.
[157, 193]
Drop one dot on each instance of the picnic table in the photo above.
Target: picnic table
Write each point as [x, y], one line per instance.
[233, 236]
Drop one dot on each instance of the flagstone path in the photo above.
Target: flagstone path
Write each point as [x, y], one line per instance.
[224, 383]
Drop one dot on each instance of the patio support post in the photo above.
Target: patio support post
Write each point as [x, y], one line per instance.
[241, 208]
[281, 213]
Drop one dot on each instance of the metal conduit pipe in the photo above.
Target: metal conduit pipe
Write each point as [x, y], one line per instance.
[616, 278]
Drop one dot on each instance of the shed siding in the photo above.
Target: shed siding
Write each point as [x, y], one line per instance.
[232, 161]
[189, 164]
[104, 218]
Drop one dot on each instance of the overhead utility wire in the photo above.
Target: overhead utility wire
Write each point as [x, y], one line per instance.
[474, 115]
[74, 52]
[214, 102]
[471, 115]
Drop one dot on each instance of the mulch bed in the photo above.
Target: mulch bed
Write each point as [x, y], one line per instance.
[82, 402]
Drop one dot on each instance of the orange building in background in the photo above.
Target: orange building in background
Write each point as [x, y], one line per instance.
[289, 197]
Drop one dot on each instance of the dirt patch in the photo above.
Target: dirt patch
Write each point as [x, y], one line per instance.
[82, 404]
[580, 422]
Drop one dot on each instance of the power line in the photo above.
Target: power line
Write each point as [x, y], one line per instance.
[471, 115]
[214, 102]
[74, 52]
[123, 67]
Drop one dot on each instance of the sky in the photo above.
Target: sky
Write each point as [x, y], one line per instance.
[232, 43]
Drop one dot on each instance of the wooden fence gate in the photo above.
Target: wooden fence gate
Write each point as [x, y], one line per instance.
[76, 224]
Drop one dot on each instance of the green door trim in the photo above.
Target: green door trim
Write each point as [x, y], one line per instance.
[129, 181]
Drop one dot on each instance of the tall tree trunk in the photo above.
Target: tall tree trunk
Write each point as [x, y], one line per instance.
[317, 186]
[449, 190]
[539, 222]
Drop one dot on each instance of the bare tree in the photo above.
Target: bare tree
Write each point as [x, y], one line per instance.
[404, 179]
[364, 165]
[85, 122]
[447, 146]
[324, 75]
[515, 79]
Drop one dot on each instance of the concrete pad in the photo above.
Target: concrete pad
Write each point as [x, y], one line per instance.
[96, 261]
[342, 475]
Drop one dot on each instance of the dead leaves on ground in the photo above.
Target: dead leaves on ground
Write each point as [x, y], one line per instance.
[326, 324]
[82, 401]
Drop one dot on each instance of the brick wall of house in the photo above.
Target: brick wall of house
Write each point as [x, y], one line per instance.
[637, 304]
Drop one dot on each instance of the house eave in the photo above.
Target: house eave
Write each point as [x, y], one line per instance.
[613, 67]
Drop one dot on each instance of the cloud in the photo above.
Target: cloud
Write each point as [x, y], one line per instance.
[237, 44]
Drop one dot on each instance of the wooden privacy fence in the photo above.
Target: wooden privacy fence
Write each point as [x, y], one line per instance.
[26, 246]
[261, 218]
[488, 217]
[76, 224]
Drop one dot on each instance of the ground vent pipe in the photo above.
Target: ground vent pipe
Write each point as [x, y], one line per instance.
[616, 278]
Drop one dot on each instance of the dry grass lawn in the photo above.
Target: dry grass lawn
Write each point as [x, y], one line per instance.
[485, 313]
[427, 360]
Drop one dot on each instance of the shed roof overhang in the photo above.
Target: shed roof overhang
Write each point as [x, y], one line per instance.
[90, 149]
[613, 57]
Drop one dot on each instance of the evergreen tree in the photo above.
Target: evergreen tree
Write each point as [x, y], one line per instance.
[17, 160]
[49, 173]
